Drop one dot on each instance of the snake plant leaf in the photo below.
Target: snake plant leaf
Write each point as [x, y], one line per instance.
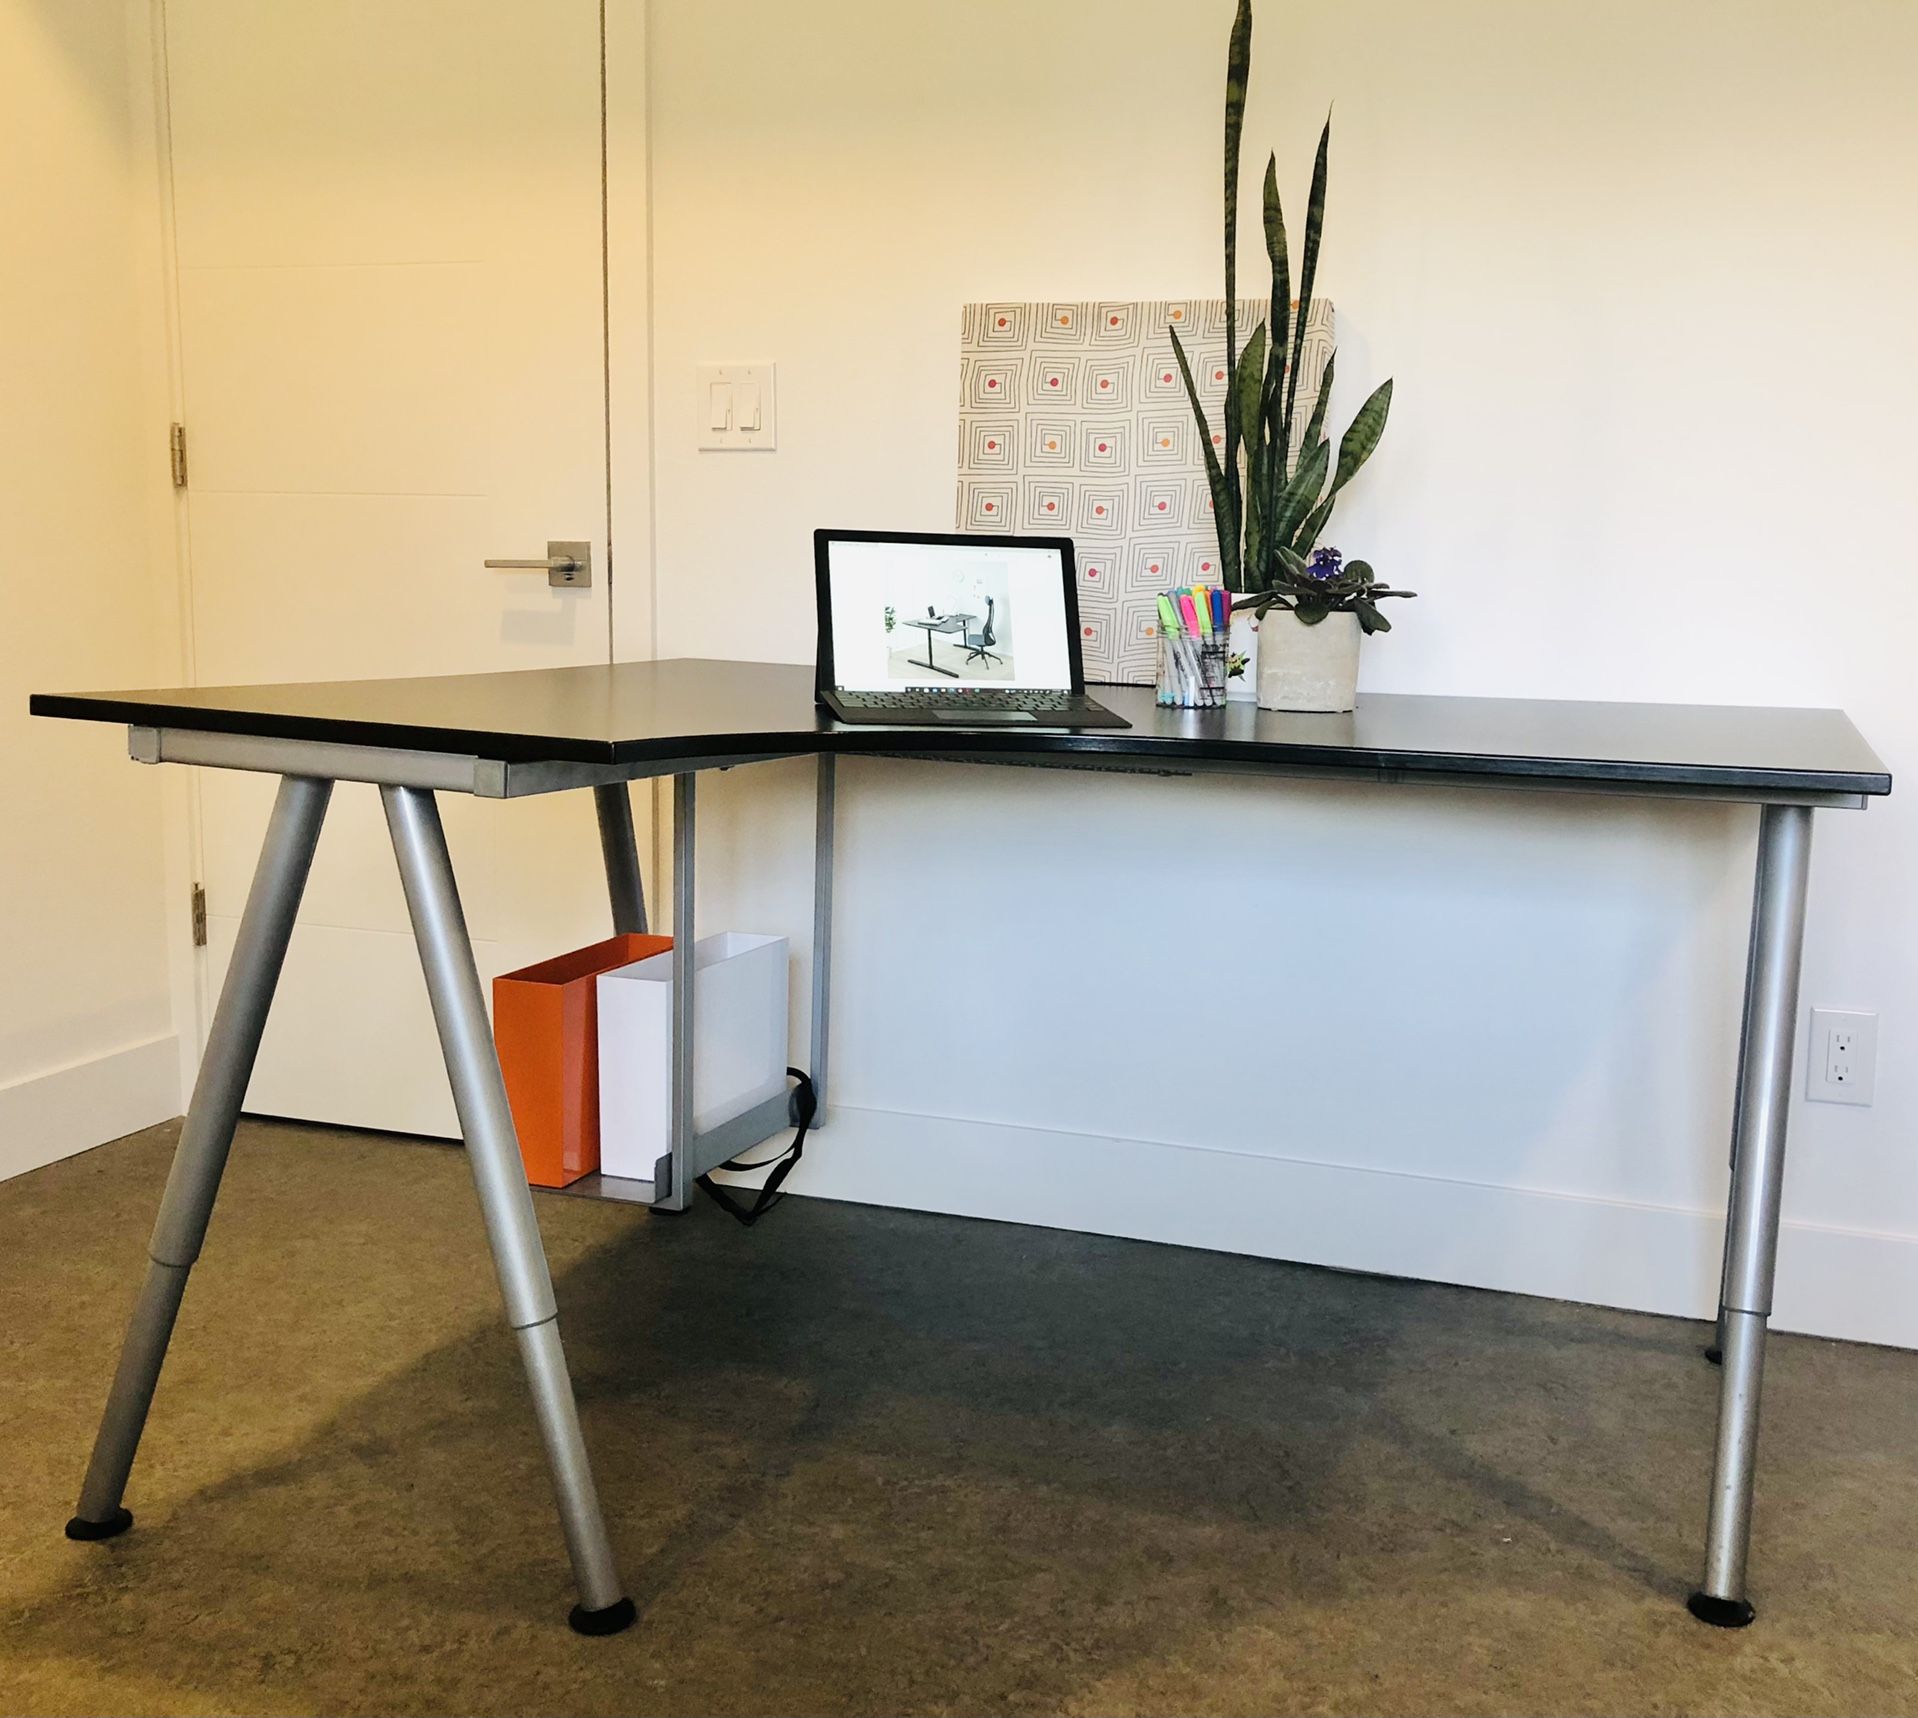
[1315, 425]
[1224, 513]
[1255, 510]
[1260, 488]
[1254, 533]
[1244, 404]
[1281, 313]
[1308, 266]
[1284, 474]
[1362, 435]
[1300, 496]
[1238, 73]
[1307, 531]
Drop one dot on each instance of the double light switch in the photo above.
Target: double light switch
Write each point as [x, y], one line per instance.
[735, 406]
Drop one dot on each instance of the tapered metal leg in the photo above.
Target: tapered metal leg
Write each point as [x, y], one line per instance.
[1764, 1100]
[1715, 1353]
[492, 1150]
[822, 933]
[620, 848]
[259, 951]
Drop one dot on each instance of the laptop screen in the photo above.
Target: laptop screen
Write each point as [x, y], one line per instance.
[948, 615]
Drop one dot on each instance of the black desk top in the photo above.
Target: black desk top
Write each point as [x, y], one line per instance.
[652, 713]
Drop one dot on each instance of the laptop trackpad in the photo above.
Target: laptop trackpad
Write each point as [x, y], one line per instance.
[983, 718]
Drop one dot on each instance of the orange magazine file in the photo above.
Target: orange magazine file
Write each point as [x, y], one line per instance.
[546, 1028]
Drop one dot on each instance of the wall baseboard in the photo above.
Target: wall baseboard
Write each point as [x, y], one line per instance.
[1850, 1284]
[53, 1115]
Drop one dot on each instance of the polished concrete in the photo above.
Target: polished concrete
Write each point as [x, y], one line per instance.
[866, 1461]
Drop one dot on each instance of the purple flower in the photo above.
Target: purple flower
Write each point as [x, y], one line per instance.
[1325, 564]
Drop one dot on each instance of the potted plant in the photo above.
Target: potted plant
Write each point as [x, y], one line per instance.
[1274, 480]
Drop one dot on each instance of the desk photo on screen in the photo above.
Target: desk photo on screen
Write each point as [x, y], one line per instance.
[953, 621]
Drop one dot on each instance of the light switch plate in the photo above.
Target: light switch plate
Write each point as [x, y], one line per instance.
[1842, 1058]
[725, 398]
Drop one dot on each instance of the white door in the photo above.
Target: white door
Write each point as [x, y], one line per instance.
[390, 288]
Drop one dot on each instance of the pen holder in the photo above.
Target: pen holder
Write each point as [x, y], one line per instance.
[1192, 670]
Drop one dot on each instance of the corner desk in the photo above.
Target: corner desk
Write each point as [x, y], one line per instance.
[499, 736]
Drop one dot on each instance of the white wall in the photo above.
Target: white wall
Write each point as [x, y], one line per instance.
[1642, 272]
[87, 1045]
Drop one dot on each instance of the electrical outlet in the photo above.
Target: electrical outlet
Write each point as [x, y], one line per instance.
[1844, 1057]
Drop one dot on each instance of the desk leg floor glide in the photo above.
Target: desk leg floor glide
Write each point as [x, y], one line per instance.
[259, 951]
[506, 1203]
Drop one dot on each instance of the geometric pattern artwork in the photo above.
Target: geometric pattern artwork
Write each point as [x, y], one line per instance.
[1074, 421]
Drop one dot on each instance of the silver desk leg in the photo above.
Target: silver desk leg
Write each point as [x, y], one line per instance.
[620, 849]
[259, 951]
[822, 933]
[1716, 1353]
[1764, 1100]
[492, 1151]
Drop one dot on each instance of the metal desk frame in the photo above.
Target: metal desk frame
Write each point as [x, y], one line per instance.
[408, 781]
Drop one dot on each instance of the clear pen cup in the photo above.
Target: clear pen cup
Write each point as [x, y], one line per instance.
[1192, 671]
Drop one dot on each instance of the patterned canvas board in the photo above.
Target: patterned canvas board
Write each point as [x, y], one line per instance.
[1074, 421]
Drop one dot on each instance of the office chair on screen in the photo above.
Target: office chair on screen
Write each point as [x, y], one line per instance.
[979, 643]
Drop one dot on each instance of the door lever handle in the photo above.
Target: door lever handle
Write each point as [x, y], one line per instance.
[567, 565]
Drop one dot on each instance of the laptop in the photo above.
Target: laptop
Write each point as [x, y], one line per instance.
[971, 631]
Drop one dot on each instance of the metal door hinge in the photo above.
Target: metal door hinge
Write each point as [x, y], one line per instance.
[176, 451]
[199, 915]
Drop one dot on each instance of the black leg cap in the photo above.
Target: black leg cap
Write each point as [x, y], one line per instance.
[1720, 1613]
[608, 1621]
[1715, 1355]
[111, 1528]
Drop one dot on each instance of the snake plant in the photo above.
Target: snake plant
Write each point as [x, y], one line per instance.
[1273, 490]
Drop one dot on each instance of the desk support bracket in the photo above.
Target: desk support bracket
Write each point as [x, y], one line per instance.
[1758, 1174]
[259, 951]
[506, 1203]
[674, 1174]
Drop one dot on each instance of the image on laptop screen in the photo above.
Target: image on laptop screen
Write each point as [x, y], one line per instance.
[947, 615]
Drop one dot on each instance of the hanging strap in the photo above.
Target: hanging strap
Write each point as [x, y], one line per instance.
[806, 1100]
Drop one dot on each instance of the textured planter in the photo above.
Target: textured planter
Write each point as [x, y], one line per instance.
[1308, 667]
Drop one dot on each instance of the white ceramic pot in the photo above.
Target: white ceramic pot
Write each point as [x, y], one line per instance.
[1308, 667]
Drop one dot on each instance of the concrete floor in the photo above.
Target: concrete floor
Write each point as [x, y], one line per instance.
[866, 1461]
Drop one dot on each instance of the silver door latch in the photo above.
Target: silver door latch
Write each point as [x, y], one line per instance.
[567, 566]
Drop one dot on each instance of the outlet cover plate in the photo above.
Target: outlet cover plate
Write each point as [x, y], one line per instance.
[1842, 1058]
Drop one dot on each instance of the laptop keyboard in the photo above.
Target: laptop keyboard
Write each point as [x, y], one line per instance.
[958, 698]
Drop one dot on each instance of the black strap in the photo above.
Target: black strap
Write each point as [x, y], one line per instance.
[807, 1102]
